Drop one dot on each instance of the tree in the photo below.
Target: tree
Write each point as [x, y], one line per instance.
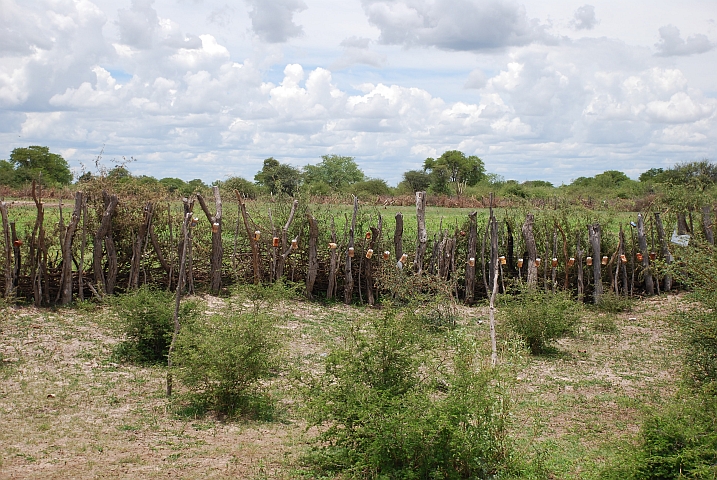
[278, 177]
[417, 180]
[7, 174]
[454, 167]
[37, 163]
[651, 174]
[336, 171]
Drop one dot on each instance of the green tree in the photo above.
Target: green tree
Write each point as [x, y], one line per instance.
[455, 168]
[417, 180]
[278, 177]
[37, 163]
[652, 174]
[336, 171]
[7, 174]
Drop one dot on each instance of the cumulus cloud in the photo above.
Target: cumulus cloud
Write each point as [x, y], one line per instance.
[476, 79]
[584, 18]
[463, 25]
[357, 51]
[273, 20]
[672, 44]
[137, 25]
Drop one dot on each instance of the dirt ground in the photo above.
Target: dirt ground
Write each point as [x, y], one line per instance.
[69, 411]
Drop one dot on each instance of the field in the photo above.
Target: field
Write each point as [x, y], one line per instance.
[70, 409]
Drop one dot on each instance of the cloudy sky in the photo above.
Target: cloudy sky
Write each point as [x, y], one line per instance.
[552, 90]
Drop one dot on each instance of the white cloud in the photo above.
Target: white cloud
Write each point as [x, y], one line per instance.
[273, 20]
[357, 51]
[454, 24]
[584, 18]
[672, 44]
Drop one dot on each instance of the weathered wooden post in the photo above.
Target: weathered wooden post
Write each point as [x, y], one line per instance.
[313, 255]
[422, 244]
[642, 240]
[349, 276]
[594, 237]
[662, 239]
[471, 260]
[8, 250]
[527, 229]
[66, 278]
[215, 221]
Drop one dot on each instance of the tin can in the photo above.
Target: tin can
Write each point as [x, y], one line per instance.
[369, 253]
[404, 258]
[215, 227]
[386, 255]
[520, 263]
[351, 252]
[589, 261]
[554, 262]
[571, 262]
[639, 257]
[294, 244]
[472, 261]
[502, 259]
[257, 235]
[537, 262]
[604, 260]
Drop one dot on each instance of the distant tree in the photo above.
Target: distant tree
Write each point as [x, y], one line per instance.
[241, 185]
[611, 179]
[651, 174]
[38, 163]
[120, 172]
[7, 174]
[453, 167]
[417, 180]
[697, 175]
[372, 186]
[537, 183]
[336, 171]
[278, 177]
[173, 184]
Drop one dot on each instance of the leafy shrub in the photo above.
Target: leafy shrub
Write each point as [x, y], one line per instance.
[539, 318]
[610, 302]
[222, 360]
[146, 319]
[604, 324]
[383, 415]
[700, 333]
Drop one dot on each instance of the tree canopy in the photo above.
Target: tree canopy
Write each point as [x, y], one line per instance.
[35, 163]
[278, 177]
[336, 171]
[453, 167]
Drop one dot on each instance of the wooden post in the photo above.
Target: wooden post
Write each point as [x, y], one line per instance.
[579, 260]
[137, 246]
[398, 236]
[38, 257]
[594, 233]
[215, 223]
[707, 224]
[621, 265]
[252, 241]
[664, 250]
[374, 244]
[8, 250]
[349, 277]
[642, 240]
[66, 278]
[104, 234]
[682, 228]
[285, 246]
[422, 244]
[178, 296]
[527, 229]
[83, 246]
[17, 256]
[333, 263]
[313, 269]
[493, 344]
[472, 246]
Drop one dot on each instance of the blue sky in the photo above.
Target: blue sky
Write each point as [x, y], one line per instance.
[206, 89]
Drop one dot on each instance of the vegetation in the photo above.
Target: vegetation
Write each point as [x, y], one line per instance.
[539, 318]
[34, 163]
[388, 410]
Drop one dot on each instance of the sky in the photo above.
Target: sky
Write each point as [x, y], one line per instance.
[549, 89]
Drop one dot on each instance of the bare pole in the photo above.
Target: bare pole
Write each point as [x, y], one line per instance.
[178, 298]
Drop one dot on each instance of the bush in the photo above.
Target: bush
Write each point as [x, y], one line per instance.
[540, 318]
[610, 302]
[386, 412]
[146, 320]
[222, 360]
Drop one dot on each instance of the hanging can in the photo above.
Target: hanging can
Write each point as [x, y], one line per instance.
[502, 259]
[404, 258]
[537, 262]
[386, 255]
[604, 260]
[623, 258]
[653, 255]
[295, 244]
[17, 243]
[215, 227]
[520, 263]
[571, 262]
[472, 261]
[257, 235]
[275, 241]
[332, 246]
[369, 253]
[194, 222]
[639, 257]
[368, 235]
[589, 261]
[554, 262]
[351, 252]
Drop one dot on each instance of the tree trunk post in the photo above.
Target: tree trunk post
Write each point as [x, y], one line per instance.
[594, 233]
[642, 240]
[349, 277]
[666, 255]
[422, 244]
[215, 222]
[313, 269]
[527, 229]
[471, 264]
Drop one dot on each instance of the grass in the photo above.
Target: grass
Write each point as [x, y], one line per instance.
[571, 408]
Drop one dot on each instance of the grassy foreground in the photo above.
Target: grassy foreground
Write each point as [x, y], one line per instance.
[70, 411]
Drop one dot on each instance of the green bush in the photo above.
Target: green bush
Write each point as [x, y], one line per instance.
[146, 320]
[610, 302]
[386, 411]
[223, 359]
[540, 318]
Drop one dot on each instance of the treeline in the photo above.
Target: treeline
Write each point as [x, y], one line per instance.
[453, 174]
